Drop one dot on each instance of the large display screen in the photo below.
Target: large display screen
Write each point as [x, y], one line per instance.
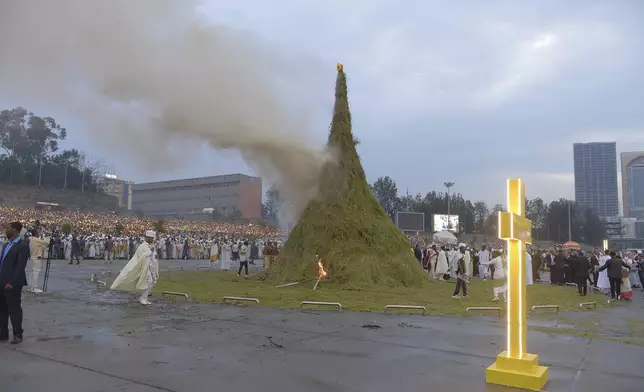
[410, 221]
[446, 223]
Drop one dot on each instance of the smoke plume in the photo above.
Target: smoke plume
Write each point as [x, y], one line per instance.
[147, 77]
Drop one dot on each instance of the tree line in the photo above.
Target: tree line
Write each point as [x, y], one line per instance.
[30, 155]
[549, 220]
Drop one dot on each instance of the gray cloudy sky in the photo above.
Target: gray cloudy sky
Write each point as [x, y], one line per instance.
[466, 91]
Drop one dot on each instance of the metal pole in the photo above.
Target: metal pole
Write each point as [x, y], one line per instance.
[66, 165]
[448, 185]
[82, 180]
[48, 265]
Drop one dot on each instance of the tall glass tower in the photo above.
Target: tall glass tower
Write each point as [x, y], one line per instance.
[633, 184]
[596, 177]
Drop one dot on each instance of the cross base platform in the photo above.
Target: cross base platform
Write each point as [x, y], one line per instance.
[519, 373]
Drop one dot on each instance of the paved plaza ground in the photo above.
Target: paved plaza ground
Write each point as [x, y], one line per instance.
[84, 338]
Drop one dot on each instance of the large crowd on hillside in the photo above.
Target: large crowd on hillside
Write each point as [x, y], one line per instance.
[92, 223]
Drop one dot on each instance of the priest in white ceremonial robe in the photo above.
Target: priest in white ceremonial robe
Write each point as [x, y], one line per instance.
[142, 271]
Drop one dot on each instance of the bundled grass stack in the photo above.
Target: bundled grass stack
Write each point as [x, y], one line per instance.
[346, 226]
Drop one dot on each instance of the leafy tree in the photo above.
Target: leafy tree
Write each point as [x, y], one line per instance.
[32, 157]
[491, 223]
[27, 136]
[270, 207]
[481, 213]
[537, 212]
[386, 192]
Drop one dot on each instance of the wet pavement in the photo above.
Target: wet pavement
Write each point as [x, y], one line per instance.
[80, 337]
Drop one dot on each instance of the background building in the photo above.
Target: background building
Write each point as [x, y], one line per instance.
[596, 177]
[112, 185]
[183, 198]
[633, 184]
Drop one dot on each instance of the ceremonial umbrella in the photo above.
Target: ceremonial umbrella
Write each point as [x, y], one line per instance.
[571, 245]
[445, 237]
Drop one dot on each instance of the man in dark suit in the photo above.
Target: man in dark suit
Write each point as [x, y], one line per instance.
[558, 269]
[581, 266]
[13, 261]
[614, 266]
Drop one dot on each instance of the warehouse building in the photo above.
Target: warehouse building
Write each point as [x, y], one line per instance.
[226, 194]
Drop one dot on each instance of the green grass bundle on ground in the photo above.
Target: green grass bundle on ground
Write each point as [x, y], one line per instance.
[345, 225]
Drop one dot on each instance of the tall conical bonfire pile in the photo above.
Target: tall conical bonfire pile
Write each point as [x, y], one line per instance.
[346, 226]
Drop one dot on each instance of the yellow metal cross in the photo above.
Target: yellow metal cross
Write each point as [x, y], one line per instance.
[515, 367]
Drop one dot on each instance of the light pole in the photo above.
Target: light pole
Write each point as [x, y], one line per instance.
[448, 185]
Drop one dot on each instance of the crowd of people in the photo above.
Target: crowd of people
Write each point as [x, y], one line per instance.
[92, 223]
[87, 235]
[107, 237]
[609, 272]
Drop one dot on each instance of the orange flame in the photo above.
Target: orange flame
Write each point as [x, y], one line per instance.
[321, 272]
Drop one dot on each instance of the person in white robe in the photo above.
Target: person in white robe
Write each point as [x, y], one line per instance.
[214, 254]
[441, 267]
[467, 260]
[225, 256]
[142, 271]
[528, 269]
[68, 248]
[37, 249]
[633, 273]
[452, 259]
[603, 283]
[499, 273]
[484, 259]
[92, 250]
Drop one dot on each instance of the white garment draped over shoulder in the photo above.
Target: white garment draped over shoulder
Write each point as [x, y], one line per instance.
[441, 265]
[134, 275]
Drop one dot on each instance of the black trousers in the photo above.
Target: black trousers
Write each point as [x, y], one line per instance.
[75, 255]
[615, 287]
[460, 283]
[582, 285]
[243, 264]
[595, 278]
[11, 308]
